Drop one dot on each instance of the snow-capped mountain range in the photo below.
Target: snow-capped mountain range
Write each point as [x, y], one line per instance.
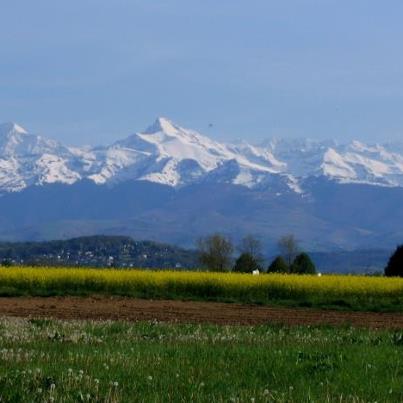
[168, 154]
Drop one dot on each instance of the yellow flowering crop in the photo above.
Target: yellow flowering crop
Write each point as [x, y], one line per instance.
[199, 285]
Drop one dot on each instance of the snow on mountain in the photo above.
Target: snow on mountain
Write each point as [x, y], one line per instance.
[260, 156]
[355, 162]
[302, 157]
[27, 159]
[14, 140]
[169, 154]
[361, 163]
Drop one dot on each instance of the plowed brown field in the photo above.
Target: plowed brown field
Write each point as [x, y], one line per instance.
[127, 309]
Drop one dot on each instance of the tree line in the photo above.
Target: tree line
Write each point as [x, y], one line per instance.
[216, 253]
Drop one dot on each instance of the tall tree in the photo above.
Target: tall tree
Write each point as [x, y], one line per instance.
[215, 252]
[251, 246]
[288, 246]
[395, 264]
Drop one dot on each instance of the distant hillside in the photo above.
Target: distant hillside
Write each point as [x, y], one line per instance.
[97, 251]
[357, 261]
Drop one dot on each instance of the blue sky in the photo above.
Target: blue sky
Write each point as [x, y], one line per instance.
[92, 71]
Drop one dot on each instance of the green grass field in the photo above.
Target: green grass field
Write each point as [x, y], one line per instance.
[44, 361]
[336, 292]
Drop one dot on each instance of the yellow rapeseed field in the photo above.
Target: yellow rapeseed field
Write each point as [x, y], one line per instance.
[197, 285]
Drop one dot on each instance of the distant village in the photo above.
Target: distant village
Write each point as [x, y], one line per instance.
[96, 251]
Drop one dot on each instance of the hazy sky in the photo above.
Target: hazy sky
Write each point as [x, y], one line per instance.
[92, 71]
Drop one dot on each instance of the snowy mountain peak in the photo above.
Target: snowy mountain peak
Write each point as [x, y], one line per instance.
[169, 154]
[11, 128]
[164, 125]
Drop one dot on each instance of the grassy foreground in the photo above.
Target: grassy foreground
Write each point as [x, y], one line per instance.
[45, 361]
[342, 292]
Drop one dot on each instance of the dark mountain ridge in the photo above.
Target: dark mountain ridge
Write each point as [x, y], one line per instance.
[328, 217]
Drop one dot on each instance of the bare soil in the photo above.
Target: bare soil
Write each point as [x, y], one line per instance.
[128, 309]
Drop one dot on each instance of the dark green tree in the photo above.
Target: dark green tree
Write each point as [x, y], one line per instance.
[246, 263]
[303, 264]
[395, 264]
[278, 265]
